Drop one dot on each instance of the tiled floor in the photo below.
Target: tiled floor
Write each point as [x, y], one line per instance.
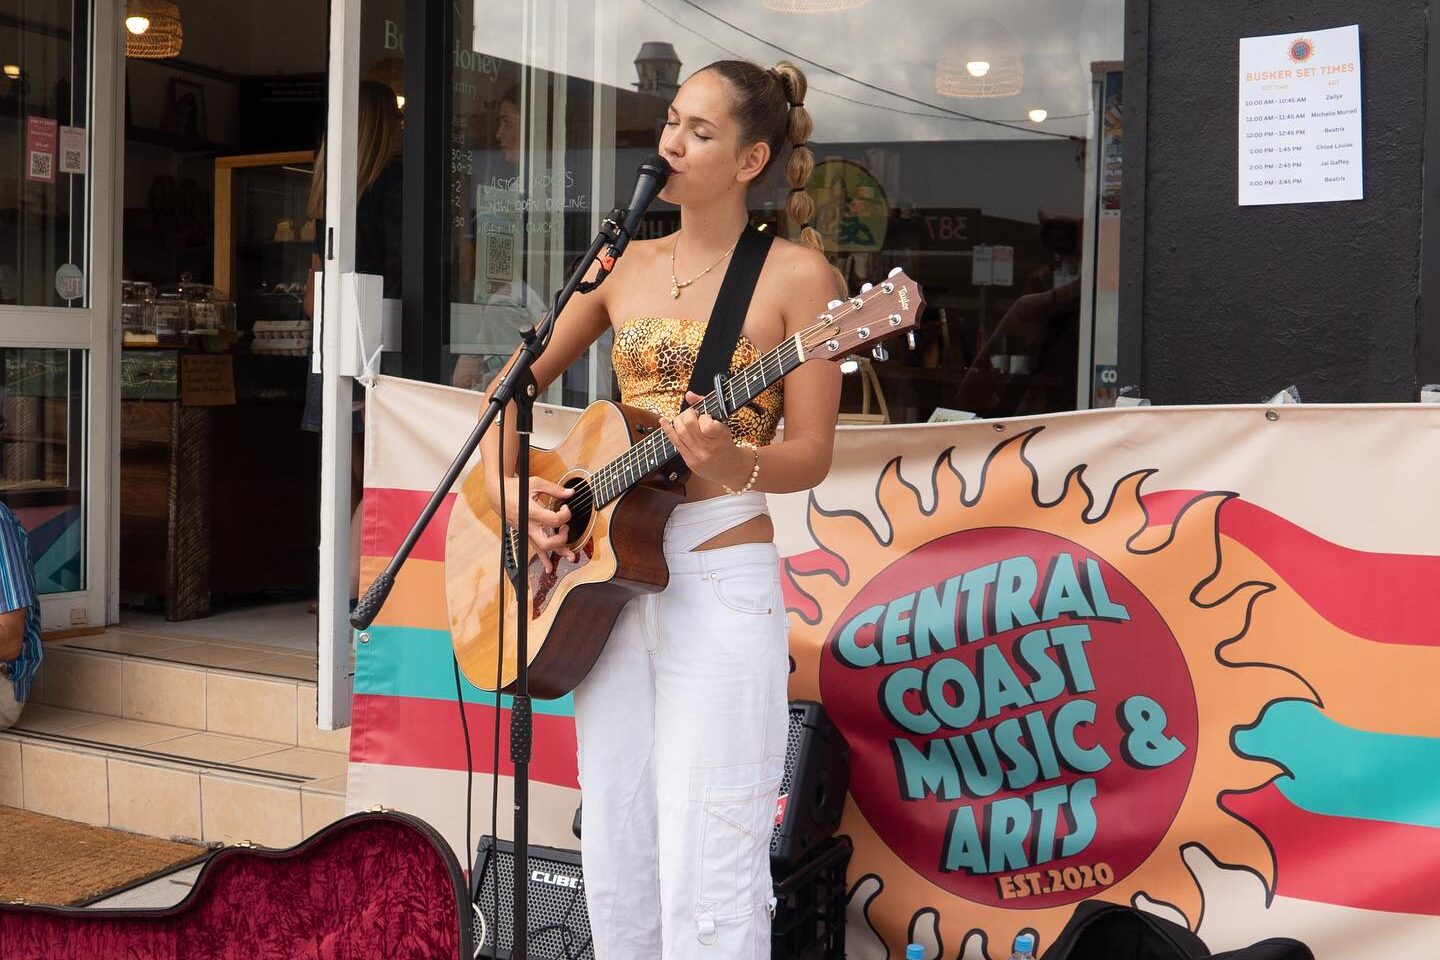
[270, 661]
[159, 893]
[286, 625]
[323, 766]
[181, 730]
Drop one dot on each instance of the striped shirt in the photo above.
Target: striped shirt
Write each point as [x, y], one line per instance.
[17, 589]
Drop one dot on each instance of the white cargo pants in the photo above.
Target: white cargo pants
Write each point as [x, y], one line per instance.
[682, 727]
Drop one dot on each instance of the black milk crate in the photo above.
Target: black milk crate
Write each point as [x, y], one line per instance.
[810, 906]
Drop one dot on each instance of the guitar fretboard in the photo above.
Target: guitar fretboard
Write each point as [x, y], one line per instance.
[653, 452]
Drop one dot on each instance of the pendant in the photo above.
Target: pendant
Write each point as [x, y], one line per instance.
[674, 291]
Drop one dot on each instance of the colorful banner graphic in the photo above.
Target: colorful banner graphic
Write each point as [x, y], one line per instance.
[1175, 657]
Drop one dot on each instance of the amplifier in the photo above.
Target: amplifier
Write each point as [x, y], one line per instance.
[808, 924]
[559, 923]
[812, 789]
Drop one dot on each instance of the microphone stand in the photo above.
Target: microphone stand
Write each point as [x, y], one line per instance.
[518, 385]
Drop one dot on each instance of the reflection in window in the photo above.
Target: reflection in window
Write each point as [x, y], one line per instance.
[42, 142]
[41, 459]
[929, 156]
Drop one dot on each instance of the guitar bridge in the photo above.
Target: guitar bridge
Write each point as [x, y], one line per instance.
[512, 551]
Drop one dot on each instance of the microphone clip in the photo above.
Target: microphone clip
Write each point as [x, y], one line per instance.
[612, 230]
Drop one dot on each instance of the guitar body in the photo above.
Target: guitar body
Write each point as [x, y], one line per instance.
[573, 609]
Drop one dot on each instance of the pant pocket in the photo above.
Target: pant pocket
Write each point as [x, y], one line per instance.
[749, 589]
[734, 868]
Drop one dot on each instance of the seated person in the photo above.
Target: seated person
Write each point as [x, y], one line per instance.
[19, 618]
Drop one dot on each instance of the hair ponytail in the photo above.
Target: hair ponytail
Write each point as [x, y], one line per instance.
[770, 107]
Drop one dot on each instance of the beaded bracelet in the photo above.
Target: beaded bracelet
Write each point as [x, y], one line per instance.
[755, 472]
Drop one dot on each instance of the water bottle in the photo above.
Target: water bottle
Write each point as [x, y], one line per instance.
[1024, 947]
[914, 952]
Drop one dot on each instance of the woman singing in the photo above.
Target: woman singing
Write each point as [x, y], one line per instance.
[682, 723]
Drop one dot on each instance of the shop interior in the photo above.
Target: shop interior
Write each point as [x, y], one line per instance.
[223, 114]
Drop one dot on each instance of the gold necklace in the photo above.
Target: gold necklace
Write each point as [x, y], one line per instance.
[677, 285]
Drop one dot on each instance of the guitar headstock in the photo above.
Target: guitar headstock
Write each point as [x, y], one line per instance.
[877, 313]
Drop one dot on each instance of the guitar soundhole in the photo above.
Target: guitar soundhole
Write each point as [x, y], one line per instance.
[582, 508]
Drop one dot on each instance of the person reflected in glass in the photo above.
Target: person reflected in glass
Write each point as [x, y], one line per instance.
[506, 305]
[377, 251]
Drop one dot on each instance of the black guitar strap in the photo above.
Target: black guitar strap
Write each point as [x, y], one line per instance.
[722, 333]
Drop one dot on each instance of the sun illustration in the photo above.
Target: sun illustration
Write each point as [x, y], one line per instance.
[1021, 685]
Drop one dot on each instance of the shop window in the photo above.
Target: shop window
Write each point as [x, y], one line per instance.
[977, 145]
[43, 153]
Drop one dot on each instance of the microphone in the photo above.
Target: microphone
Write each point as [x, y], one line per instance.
[649, 181]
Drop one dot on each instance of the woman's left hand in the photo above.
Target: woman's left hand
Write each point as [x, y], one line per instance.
[706, 445]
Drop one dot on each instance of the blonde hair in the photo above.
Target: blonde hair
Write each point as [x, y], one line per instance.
[769, 105]
[376, 141]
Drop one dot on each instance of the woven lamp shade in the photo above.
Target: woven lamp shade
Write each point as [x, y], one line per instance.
[981, 41]
[165, 36]
[813, 6]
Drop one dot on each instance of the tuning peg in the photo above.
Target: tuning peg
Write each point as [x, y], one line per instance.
[910, 339]
[833, 304]
[865, 287]
[895, 271]
[849, 365]
[880, 353]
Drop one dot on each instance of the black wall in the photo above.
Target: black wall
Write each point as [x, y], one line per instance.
[1223, 303]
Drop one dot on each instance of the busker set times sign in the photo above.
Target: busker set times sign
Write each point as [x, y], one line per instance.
[1300, 118]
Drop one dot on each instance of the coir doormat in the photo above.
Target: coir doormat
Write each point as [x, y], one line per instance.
[57, 862]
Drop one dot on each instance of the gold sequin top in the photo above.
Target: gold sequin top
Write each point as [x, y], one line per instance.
[653, 358]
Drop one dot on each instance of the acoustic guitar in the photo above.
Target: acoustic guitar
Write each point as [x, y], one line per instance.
[627, 480]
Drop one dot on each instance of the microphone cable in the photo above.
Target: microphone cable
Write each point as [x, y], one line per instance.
[499, 667]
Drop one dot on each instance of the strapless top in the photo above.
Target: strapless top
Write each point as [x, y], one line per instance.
[653, 358]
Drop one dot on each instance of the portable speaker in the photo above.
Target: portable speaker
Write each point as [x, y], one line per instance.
[812, 789]
[559, 923]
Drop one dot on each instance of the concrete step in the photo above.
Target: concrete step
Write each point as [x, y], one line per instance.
[174, 749]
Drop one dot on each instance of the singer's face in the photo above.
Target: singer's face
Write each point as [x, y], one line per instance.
[701, 142]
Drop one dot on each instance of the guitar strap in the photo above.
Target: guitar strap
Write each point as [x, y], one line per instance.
[722, 333]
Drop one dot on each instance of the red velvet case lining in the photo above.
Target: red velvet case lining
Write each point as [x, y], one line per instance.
[373, 885]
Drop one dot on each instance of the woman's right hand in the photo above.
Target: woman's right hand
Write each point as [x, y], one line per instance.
[548, 529]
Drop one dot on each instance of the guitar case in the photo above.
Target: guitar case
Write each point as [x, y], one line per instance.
[373, 885]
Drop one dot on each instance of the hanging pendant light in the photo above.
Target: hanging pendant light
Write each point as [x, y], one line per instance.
[813, 6]
[983, 61]
[153, 30]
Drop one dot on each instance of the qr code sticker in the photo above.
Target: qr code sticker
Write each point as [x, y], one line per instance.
[40, 165]
[499, 253]
[71, 160]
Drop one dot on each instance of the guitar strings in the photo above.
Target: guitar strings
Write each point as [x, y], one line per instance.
[656, 449]
[636, 457]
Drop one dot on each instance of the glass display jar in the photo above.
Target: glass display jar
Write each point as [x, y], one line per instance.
[137, 308]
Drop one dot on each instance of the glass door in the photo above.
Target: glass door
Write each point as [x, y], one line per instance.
[58, 104]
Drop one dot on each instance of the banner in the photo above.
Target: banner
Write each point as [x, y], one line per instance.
[1181, 658]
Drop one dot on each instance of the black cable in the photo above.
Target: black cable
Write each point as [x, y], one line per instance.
[863, 83]
[951, 116]
[499, 666]
[469, 759]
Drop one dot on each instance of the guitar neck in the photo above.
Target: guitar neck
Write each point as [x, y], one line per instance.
[655, 450]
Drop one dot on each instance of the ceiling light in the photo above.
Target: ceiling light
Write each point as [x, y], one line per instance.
[978, 43]
[1038, 115]
[163, 35]
[12, 70]
[400, 101]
